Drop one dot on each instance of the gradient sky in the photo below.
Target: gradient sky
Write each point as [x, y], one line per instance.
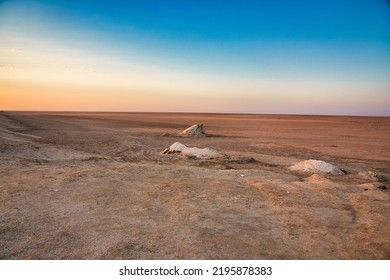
[283, 57]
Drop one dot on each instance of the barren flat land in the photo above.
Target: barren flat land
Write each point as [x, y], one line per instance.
[97, 186]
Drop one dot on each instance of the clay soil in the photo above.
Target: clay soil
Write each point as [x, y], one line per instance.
[96, 186]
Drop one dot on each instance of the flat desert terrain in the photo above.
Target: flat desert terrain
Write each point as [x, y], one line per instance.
[97, 186]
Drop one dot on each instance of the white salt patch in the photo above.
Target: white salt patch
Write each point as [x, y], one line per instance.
[316, 166]
[205, 153]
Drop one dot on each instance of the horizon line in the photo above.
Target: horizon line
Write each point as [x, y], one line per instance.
[194, 113]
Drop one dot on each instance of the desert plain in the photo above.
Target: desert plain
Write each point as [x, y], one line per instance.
[86, 185]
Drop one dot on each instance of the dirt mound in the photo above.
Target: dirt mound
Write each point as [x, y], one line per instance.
[316, 166]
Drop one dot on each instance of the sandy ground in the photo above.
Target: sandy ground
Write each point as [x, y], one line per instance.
[96, 186]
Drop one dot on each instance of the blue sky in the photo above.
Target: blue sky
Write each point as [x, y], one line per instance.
[301, 57]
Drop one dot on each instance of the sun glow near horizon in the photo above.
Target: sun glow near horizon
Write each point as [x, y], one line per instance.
[46, 65]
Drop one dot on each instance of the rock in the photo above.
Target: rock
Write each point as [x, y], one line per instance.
[372, 176]
[196, 129]
[194, 152]
[316, 166]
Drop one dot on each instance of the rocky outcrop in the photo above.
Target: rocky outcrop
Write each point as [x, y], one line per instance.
[196, 129]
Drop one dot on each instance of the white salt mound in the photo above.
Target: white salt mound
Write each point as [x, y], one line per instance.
[196, 129]
[316, 166]
[205, 153]
[177, 147]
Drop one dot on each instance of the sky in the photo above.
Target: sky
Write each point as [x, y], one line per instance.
[327, 57]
